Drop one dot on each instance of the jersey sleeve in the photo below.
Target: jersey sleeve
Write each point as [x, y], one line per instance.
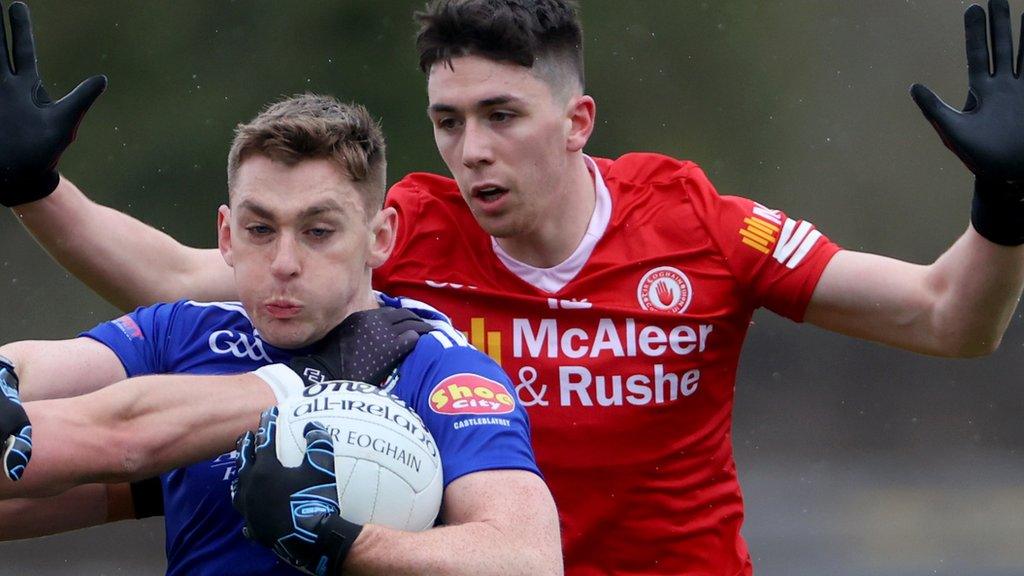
[138, 338]
[777, 259]
[470, 407]
[403, 199]
[407, 197]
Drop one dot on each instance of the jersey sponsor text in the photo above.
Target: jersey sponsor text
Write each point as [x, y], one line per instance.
[579, 385]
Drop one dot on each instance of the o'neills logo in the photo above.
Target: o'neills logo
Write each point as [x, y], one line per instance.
[664, 289]
[470, 394]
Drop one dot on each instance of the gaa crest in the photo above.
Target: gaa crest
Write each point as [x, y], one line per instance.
[664, 289]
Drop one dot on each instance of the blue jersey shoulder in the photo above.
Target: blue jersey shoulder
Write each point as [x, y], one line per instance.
[468, 404]
[186, 337]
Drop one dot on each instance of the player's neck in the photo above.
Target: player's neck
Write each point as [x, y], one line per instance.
[560, 231]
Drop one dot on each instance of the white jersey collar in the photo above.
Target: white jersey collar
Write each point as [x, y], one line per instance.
[555, 278]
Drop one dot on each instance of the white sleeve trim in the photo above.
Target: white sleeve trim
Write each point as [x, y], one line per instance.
[283, 381]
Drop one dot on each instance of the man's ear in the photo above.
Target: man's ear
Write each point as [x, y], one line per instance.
[224, 234]
[383, 231]
[581, 113]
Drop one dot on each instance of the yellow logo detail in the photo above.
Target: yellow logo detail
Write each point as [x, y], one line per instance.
[481, 339]
[759, 234]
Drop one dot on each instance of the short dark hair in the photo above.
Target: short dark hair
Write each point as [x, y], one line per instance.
[310, 126]
[517, 31]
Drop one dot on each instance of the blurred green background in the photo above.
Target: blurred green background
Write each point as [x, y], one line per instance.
[855, 459]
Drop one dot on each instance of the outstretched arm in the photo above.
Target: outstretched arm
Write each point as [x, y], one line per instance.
[142, 426]
[135, 429]
[961, 304]
[111, 432]
[84, 237]
[958, 306]
[88, 240]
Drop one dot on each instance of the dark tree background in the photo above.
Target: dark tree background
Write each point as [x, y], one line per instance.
[855, 458]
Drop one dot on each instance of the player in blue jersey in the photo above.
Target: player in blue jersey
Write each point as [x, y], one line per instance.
[302, 231]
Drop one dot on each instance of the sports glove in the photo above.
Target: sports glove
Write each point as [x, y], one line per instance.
[366, 347]
[293, 511]
[988, 134]
[15, 429]
[34, 130]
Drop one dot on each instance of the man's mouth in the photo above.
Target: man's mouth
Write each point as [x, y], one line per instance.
[282, 310]
[489, 193]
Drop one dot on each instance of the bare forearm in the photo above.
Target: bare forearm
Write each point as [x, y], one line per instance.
[62, 368]
[77, 508]
[499, 523]
[472, 549]
[180, 420]
[957, 306]
[135, 429]
[89, 241]
[981, 285]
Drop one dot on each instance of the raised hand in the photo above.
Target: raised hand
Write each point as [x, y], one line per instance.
[34, 130]
[988, 134]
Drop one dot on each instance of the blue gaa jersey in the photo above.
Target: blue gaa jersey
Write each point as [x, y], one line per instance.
[464, 398]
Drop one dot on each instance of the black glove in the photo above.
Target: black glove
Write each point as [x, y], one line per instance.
[15, 429]
[988, 134]
[293, 511]
[367, 346]
[34, 131]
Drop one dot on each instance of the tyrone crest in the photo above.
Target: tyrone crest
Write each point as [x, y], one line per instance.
[664, 289]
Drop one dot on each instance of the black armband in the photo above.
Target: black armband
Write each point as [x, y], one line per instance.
[147, 498]
[997, 212]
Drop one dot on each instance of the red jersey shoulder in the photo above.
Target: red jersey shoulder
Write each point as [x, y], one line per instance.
[432, 202]
[433, 219]
[658, 191]
[776, 259]
[653, 179]
[646, 168]
[421, 189]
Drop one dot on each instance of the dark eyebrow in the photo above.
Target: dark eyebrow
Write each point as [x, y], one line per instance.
[439, 108]
[328, 206]
[255, 209]
[485, 103]
[497, 101]
[312, 211]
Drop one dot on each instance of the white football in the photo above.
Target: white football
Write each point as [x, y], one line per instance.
[387, 464]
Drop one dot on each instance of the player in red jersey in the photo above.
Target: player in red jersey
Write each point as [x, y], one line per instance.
[626, 352]
[617, 293]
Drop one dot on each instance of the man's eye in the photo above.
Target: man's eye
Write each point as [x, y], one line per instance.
[500, 116]
[258, 230]
[320, 233]
[447, 123]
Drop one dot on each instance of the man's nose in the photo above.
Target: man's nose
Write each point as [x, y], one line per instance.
[476, 145]
[286, 262]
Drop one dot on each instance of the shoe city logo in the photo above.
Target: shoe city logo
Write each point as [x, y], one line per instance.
[238, 345]
[664, 289]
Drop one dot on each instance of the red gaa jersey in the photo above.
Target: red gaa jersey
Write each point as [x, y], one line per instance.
[626, 355]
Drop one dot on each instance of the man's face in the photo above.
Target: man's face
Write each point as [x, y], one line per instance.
[301, 247]
[505, 137]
